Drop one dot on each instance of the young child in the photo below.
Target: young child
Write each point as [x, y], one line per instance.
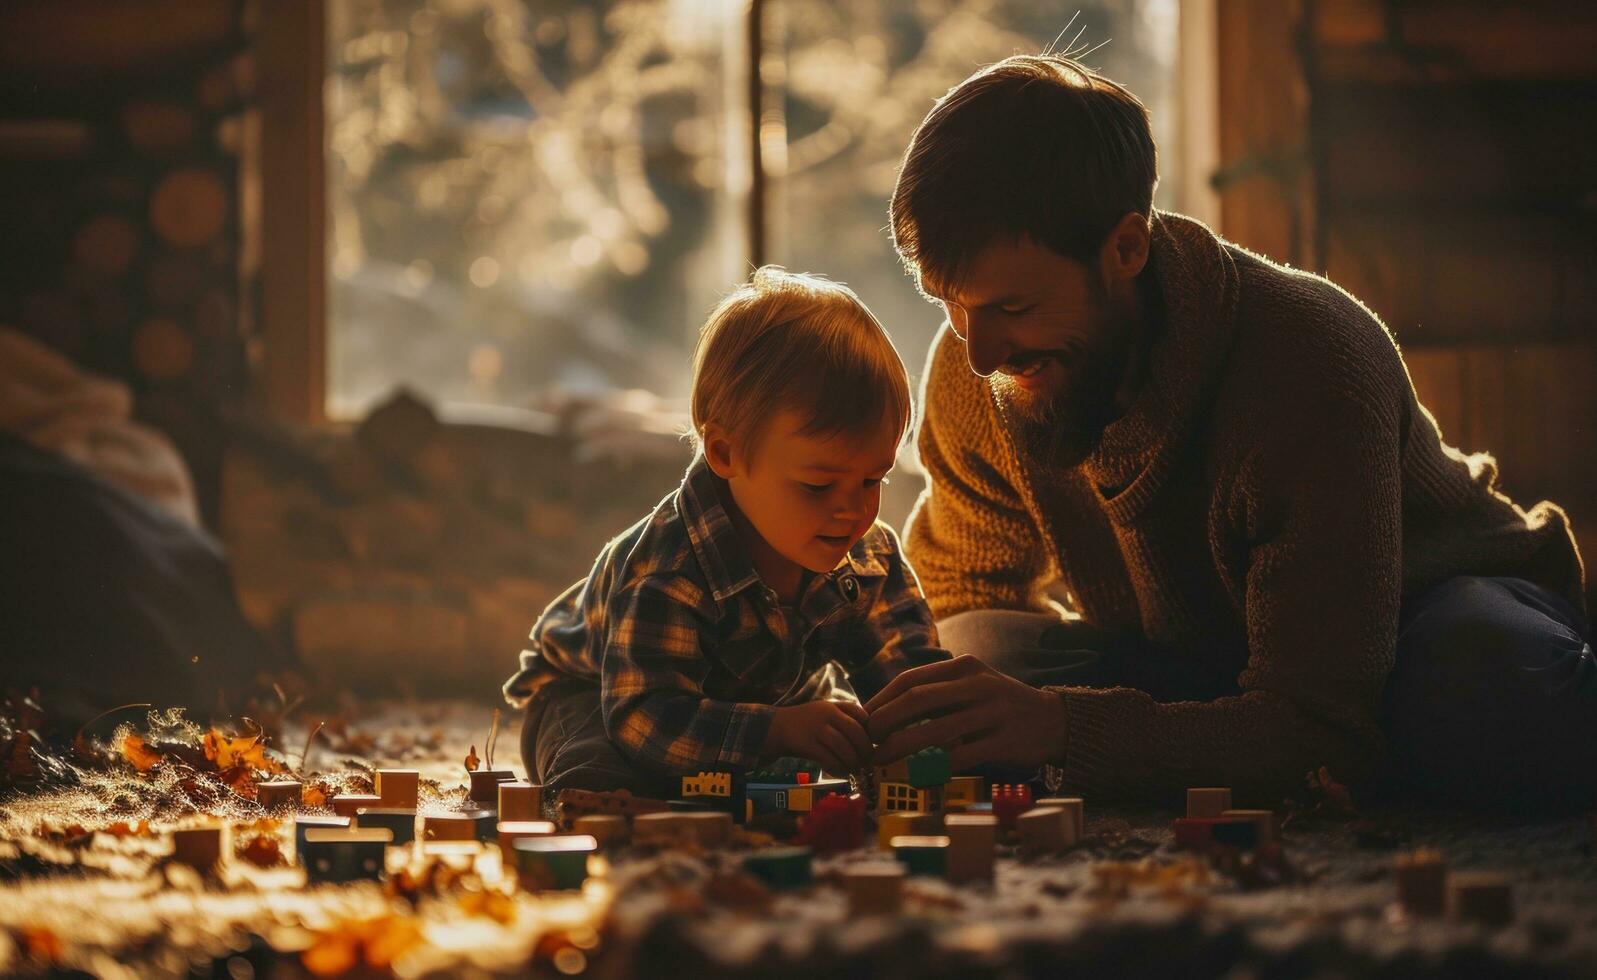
[746, 617]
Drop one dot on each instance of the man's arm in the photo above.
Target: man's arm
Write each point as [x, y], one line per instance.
[970, 536]
[1322, 512]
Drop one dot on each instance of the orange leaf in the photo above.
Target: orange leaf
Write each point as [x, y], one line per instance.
[263, 852]
[471, 760]
[137, 753]
[313, 795]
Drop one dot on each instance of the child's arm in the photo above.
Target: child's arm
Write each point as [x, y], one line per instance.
[652, 679]
[898, 631]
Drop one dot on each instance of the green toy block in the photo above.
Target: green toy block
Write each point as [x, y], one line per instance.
[781, 868]
[929, 768]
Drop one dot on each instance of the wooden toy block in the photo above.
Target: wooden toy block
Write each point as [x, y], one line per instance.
[1208, 801]
[1202, 833]
[658, 828]
[201, 848]
[278, 794]
[511, 831]
[1480, 896]
[339, 854]
[460, 855]
[1010, 802]
[1076, 809]
[448, 826]
[396, 820]
[961, 790]
[398, 789]
[873, 889]
[903, 823]
[1422, 882]
[1044, 830]
[705, 828]
[485, 823]
[922, 854]
[1263, 820]
[307, 822]
[609, 829]
[553, 863]
[485, 785]
[781, 868]
[346, 804]
[971, 838]
[520, 800]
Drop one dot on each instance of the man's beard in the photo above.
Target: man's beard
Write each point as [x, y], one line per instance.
[1062, 429]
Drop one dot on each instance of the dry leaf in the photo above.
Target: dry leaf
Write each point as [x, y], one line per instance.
[472, 761]
[263, 852]
[137, 753]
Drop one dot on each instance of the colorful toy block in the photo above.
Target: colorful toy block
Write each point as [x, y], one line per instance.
[1202, 833]
[658, 828]
[1480, 896]
[609, 829]
[1263, 822]
[520, 800]
[553, 863]
[971, 838]
[346, 804]
[962, 791]
[201, 848]
[718, 789]
[794, 797]
[448, 826]
[923, 854]
[1009, 802]
[485, 785]
[706, 828]
[780, 868]
[397, 789]
[342, 855]
[307, 822]
[1076, 809]
[278, 794]
[1044, 830]
[511, 831]
[1422, 882]
[399, 822]
[873, 889]
[1208, 801]
[903, 823]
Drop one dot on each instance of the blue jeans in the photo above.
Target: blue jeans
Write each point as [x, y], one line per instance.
[1492, 702]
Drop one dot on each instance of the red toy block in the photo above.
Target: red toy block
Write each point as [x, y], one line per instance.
[1010, 802]
[802, 778]
[835, 823]
[1202, 833]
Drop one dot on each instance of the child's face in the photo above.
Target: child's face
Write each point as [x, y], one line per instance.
[811, 498]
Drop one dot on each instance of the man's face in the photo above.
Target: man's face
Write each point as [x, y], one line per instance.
[812, 497]
[1040, 327]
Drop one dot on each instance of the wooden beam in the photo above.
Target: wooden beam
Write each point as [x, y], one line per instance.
[293, 63]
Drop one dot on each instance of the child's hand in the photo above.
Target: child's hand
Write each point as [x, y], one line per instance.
[830, 732]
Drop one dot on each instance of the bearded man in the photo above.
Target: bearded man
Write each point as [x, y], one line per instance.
[1269, 559]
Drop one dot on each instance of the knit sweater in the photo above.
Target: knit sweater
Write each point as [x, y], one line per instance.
[1272, 494]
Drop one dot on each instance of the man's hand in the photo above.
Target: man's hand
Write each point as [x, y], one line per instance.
[979, 714]
[830, 732]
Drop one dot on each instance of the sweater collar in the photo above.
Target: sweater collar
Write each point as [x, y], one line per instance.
[1196, 283]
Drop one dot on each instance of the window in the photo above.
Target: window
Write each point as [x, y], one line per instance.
[528, 197]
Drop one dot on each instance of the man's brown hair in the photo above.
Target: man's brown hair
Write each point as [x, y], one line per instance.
[1034, 146]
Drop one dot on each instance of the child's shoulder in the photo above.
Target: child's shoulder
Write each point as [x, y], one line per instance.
[655, 551]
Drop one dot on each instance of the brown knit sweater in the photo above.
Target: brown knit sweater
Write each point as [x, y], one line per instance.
[1269, 499]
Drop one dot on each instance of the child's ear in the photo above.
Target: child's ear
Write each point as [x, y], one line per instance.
[717, 450]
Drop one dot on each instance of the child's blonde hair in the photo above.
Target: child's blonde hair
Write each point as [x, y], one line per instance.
[799, 342]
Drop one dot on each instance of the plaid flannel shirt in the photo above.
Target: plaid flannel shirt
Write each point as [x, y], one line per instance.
[692, 650]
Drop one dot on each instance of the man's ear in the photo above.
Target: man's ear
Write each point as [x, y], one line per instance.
[1125, 251]
[718, 450]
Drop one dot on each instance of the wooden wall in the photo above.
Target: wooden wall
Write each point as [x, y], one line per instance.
[1438, 159]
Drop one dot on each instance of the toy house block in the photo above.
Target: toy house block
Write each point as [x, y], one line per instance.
[511, 831]
[201, 848]
[485, 785]
[836, 823]
[399, 822]
[971, 838]
[305, 823]
[1009, 802]
[903, 823]
[448, 826]
[346, 804]
[609, 829]
[1076, 808]
[873, 889]
[397, 789]
[792, 797]
[895, 797]
[553, 863]
[922, 854]
[520, 800]
[719, 789]
[780, 868]
[962, 791]
[1263, 821]
[1480, 896]
[343, 855]
[278, 794]
[1422, 882]
[1044, 830]
[1208, 801]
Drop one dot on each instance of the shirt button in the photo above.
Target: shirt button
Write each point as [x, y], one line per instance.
[850, 586]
